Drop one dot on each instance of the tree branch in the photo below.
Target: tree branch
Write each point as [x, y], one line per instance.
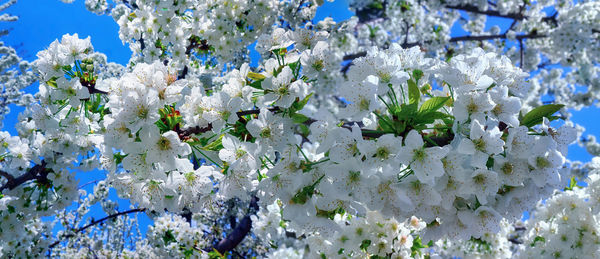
[355, 55]
[364, 53]
[37, 172]
[521, 53]
[248, 112]
[440, 141]
[96, 222]
[240, 231]
[453, 39]
[8, 176]
[183, 133]
[475, 9]
[497, 36]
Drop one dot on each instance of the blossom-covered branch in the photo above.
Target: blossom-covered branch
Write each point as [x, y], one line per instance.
[93, 223]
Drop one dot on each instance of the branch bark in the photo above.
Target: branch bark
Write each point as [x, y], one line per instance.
[497, 36]
[37, 172]
[240, 231]
[439, 141]
[96, 222]
[453, 39]
[475, 9]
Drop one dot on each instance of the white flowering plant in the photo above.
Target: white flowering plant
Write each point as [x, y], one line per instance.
[376, 137]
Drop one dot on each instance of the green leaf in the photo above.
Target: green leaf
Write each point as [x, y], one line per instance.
[295, 67]
[256, 84]
[52, 82]
[364, 244]
[256, 76]
[417, 75]
[299, 104]
[214, 254]
[572, 184]
[535, 116]
[538, 238]
[162, 126]
[433, 104]
[490, 162]
[429, 117]
[384, 123]
[376, 5]
[119, 157]
[413, 92]
[299, 118]
[405, 112]
[215, 145]
[417, 246]
[304, 194]
[304, 130]
[330, 214]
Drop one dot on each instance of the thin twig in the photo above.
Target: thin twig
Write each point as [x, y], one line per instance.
[521, 52]
[497, 36]
[95, 222]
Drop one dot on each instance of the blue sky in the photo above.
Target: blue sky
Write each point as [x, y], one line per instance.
[43, 21]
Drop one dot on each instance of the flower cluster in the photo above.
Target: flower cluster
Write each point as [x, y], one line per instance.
[176, 29]
[566, 225]
[440, 140]
[173, 237]
[371, 236]
[343, 136]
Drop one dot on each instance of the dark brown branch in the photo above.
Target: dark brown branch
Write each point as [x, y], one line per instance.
[512, 25]
[521, 53]
[183, 73]
[475, 9]
[132, 5]
[193, 130]
[248, 112]
[551, 19]
[453, 39]
[355, 55]
[94, 90]
[96, 222]
[370, 13]
[186, 133]
[406, 33]
[497, 36]
[438, 140]
[240, 231]
[38, 172]
[8, 176]
[299, 6]
[515, 16]
[364, 53]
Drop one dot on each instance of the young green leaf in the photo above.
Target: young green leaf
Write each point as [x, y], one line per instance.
[256, 84]
[536, 116]
[299, 118]
[215, 145]
[298, 105]
[413, 92]
[417, 75]
[256, 76]
[433, 104]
